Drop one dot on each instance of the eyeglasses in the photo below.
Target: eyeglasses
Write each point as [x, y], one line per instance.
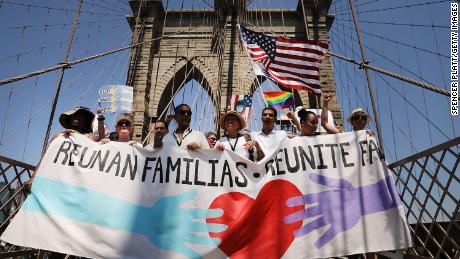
[212, 139]
[125, 123]
[185, 112]
[359, 117]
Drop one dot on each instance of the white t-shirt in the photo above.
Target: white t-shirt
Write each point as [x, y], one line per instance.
[236, 145]
[271, 142]
[189, 136]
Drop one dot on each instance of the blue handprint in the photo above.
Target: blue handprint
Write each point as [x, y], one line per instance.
[167, 225]
[341, 206]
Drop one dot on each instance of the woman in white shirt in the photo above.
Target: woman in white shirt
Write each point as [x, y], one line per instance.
[232, 122]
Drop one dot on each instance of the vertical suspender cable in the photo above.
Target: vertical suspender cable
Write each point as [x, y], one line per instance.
[419, 69]
[371, 90]
[305, 22]
[138, 36]
[61, 77]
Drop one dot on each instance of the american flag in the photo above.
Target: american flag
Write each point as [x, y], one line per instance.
[292, 63]
[242, 104]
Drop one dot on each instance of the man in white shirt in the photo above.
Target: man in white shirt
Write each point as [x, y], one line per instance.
[269, 138]
[184, 136]
[160, 130]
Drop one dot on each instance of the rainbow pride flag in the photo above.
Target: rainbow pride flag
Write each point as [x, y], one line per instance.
[279, 100]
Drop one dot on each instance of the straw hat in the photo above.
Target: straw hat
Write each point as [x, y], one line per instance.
[126, 117]
[359, 110]
[237, 114]
[65, 119]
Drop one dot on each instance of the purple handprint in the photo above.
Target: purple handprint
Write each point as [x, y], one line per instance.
[341, 206]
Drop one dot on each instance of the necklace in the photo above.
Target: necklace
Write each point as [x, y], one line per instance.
[179, 142]
[233, 147]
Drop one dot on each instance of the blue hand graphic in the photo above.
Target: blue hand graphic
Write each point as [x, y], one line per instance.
[167, 225]
[174, 226]
[341, 206]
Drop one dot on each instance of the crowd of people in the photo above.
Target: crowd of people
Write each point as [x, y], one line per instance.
[253, 145]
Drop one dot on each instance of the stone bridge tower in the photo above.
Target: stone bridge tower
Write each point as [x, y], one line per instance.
[204, 44]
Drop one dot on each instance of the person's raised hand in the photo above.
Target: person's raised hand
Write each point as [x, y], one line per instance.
[169, 118]
[326, 99]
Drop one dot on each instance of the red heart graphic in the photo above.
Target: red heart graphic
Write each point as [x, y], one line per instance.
[255, 227]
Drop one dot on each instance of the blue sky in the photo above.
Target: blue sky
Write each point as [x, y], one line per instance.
[408, 37]
[103, 27]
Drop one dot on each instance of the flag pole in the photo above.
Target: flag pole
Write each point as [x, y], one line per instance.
[252, 66]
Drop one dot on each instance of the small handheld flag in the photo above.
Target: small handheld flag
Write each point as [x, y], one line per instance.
[279, 100]
[242, 104]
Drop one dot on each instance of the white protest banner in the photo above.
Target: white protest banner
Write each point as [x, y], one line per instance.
[321, 197]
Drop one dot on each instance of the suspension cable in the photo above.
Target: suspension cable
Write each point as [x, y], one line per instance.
[410, 103]
[60, 43]
[389, 99]
[169, 103]
[12, 88]
[396, 7]
[60, 9]
[108, 64]
[440, 65]
[394, 75]
[61, 77]
[403, 44]
[399, 24]
[78, 61]
[424, 85]
[48, 25]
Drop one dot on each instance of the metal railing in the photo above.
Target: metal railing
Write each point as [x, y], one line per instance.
[429, 186]
[13, 176]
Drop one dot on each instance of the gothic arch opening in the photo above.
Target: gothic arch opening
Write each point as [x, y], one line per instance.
[180, 84]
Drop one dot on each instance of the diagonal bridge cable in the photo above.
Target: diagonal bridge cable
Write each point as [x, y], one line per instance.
[400, 43]
[399, 24]
[396, 7]
[45, 26]
[394, 75]
[78, 61]
[361, 64]
[60, 9]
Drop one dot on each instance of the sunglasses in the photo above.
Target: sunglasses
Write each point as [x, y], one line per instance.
[212, 139]
[359, 117]
[185, 112]
[268, 114]
[126, 123]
